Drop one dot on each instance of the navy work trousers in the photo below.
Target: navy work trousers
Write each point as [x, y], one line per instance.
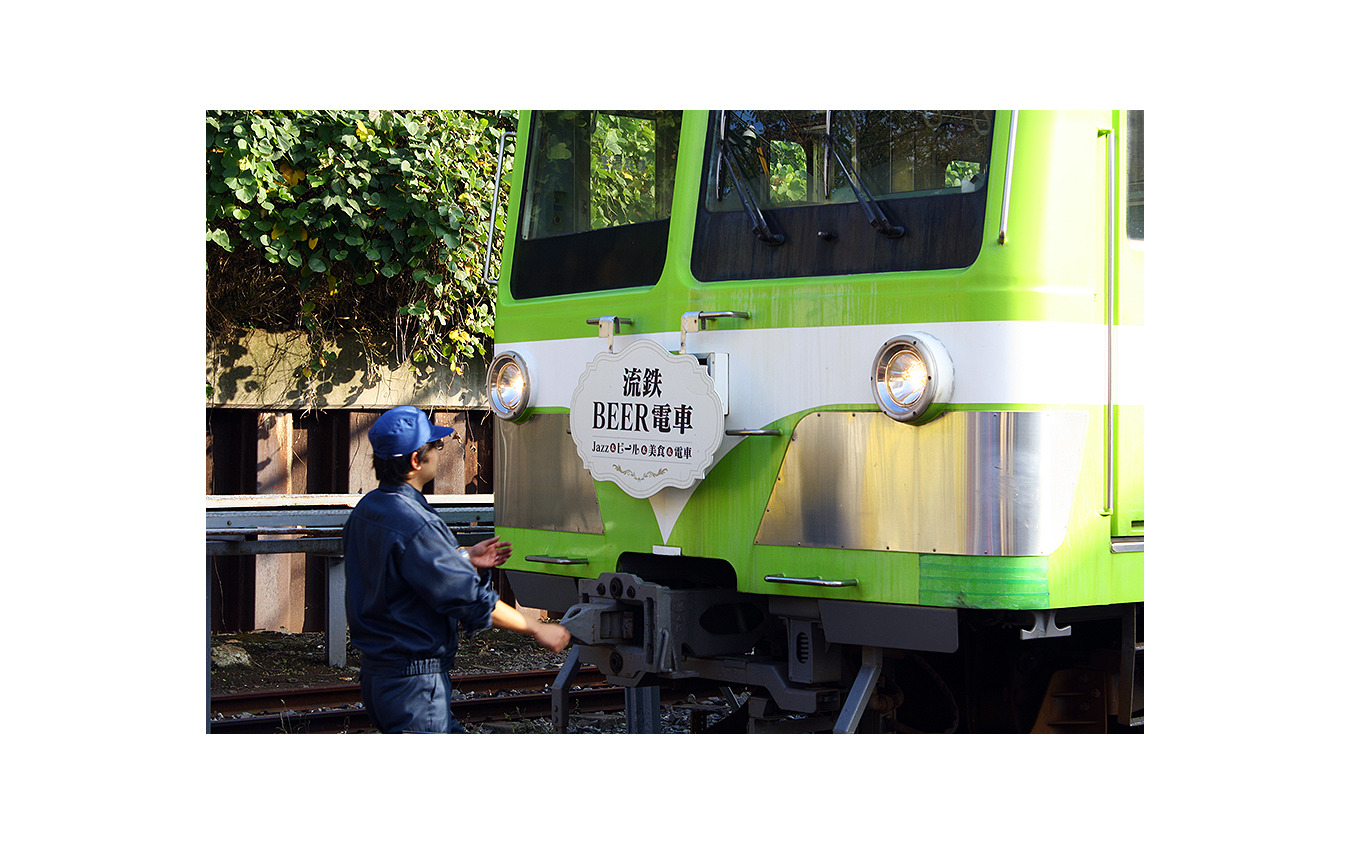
[419, 703]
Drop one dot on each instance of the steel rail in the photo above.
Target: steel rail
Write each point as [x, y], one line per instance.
[474, 710]
[338, 707]
[337, 694]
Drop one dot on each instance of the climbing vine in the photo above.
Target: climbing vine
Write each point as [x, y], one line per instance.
[365, 225]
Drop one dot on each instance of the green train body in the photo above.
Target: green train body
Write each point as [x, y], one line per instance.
[842, 523]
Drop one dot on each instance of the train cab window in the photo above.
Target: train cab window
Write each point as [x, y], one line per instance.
[832, 192]
[1134, 175]
[596, 212]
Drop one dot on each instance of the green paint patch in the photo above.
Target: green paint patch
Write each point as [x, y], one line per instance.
[984, 582]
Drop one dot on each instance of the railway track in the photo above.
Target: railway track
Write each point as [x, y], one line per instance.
[488, 697]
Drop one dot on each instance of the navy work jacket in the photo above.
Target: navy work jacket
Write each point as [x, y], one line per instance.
[410, 589]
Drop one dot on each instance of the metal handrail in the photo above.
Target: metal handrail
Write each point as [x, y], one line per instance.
[808, 581]
[560, 561]
[492, 220]
[1007, 180]
[1110, 136]
[229, 518]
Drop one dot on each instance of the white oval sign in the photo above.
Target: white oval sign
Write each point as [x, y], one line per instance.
[646, 419]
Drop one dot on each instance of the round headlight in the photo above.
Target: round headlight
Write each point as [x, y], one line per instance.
[508, 383]
[912, 377]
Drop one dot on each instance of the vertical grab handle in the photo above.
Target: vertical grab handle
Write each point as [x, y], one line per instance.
[1110, 473]
[1007, 180]
[492, 221]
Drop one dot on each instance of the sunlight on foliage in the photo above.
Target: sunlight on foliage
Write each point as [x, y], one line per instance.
[358, 224]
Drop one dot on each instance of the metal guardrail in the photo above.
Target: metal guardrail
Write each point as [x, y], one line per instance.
[248, 525]
[312, 524]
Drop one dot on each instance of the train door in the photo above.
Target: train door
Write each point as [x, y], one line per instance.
[1127, 506]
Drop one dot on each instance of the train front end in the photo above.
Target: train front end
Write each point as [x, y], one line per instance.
[836, 405]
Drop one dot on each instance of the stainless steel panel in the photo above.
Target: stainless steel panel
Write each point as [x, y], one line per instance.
[966, 483]
[540, 481]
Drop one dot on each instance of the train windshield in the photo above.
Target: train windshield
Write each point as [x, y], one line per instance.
[805, 157]
[596, 212]
[816, 188]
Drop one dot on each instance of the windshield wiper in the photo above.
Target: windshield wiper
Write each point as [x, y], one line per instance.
[761, 227]
[875, 215]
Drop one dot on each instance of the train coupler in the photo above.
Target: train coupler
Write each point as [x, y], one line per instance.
[629, 627]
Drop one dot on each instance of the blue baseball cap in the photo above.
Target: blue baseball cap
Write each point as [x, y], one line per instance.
[402, 431]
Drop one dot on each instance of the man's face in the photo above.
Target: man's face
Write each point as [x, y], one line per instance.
[425, 470]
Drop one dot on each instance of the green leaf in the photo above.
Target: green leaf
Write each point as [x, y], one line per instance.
[405, 180]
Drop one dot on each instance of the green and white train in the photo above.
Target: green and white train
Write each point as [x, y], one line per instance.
[842, 406]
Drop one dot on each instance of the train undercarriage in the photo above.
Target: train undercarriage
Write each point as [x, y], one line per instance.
[818, 665]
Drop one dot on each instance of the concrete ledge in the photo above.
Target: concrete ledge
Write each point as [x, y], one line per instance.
[263, 370]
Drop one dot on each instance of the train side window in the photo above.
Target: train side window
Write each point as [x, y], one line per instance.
[1134, 175]
[596, 211]
[594, 170]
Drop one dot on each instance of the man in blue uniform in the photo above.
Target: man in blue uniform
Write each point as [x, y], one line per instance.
[411, 589]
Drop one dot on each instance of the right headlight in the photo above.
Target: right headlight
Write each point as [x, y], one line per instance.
[912, 377]
[508, 384]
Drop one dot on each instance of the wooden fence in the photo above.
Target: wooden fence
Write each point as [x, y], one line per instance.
[282, 452]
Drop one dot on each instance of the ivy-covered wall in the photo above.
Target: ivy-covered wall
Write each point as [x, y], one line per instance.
[267, 370]
[363, 237]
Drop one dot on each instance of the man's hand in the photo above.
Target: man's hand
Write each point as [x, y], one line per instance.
[490, 553]
[554, 637]
[551, 636]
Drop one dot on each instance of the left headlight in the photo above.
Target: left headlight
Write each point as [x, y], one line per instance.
[912, 377]
[508, 384]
